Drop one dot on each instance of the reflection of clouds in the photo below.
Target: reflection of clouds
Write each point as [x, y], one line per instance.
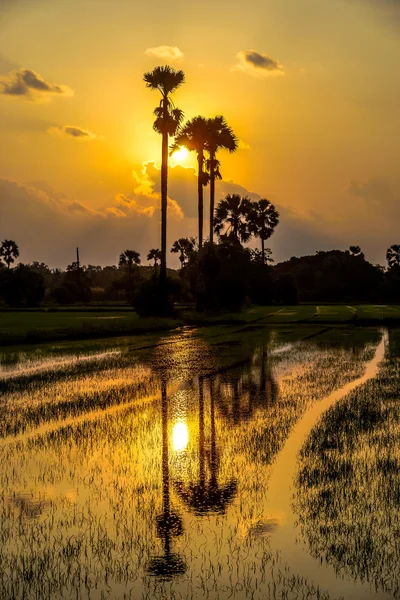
[28, 506]
[263, 527]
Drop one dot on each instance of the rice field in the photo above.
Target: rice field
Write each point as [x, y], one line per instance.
[221, 462]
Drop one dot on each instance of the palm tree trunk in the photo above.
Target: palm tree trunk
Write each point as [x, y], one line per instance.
[212, 198]
[164, 196]
[262, 249]
[202, 471]
[165, 466]
[200, 160]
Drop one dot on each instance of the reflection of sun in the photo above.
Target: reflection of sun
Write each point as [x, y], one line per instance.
[180, 436]
[180, 155]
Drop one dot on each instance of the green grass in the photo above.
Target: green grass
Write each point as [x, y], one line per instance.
[30, 326]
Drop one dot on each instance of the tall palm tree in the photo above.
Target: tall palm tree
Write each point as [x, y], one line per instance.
[154, 254]
[220, 136]
[168, 119]
[9, 251]
[128, 259]
[194, 136]
[263, 219]
[185, 247]
[393, 256]
[231, 219]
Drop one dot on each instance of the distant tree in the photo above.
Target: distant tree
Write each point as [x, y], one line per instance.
[185, 248]
[9, 251]
[263, 218]
[154, 254]
[22, 286]
[168, 119]
[356, 251]
[231, 219]
[128, 259]
[220, 136]
[194, 135]
[393, 256]
[257, 256]
[286, 289]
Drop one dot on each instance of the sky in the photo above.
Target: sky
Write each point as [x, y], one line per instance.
[310, 87]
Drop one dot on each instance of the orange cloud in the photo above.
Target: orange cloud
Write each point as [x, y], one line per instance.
[166, 52]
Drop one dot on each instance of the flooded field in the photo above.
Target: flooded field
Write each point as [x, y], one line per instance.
[256, 463]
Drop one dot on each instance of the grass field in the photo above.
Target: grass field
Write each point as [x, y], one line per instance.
[27, 326]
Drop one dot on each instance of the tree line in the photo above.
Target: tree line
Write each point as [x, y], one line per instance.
[223, 276]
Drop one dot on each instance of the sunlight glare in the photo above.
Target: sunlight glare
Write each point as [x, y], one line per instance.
[180, 436]
[180, 155]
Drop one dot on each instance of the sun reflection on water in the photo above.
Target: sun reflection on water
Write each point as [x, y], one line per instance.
[180, 436]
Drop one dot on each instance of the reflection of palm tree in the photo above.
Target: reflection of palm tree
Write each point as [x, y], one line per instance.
[169, 523]
[260, 394]
[207, 496]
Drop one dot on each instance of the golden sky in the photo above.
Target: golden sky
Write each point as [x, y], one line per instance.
[311, 88]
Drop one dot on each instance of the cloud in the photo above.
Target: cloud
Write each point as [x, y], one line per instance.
[257, 64]
[242, 145]
[167, 52]
[48, 225]
[71, 131]
[25, 83]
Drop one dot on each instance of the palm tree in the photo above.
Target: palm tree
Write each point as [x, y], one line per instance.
[9, 251]
[194, 136]
[185, 247]
[154, 254]
[393, 256]
[220, 136]
[232, 218]
[168, 119]
[263, 218]
[129, 258]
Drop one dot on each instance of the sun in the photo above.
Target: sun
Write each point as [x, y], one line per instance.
[180, 155]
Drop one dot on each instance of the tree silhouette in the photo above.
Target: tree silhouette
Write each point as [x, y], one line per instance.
[154, 254]
[220, 136]
[356, 251]
[128, 259]
[9, 251]
[168, 119]
[185, 248]
[194, 136]
[263, 218]
[393, 256]
[231, 219]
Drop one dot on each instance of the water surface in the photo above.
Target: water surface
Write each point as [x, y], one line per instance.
[181, 466]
